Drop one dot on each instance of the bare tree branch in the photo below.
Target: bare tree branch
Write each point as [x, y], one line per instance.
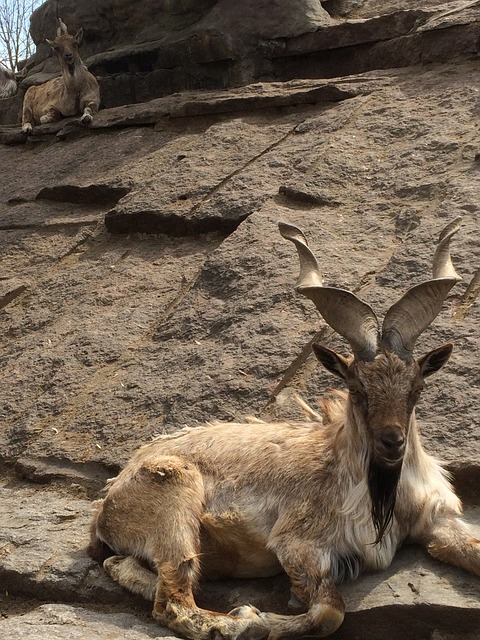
[15, 41]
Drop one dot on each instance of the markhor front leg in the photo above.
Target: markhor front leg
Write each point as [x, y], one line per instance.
[452, 540]
[308, 569]
[325, 614]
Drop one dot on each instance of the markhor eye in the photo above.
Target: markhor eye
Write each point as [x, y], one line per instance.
[356, 392]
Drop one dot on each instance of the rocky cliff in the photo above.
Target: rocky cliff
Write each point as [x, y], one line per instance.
[144, 285]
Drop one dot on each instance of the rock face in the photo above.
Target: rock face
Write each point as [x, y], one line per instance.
[144, 284]
[147, 49]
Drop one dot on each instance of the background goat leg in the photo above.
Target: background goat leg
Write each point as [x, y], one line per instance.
[27, 113]
[87, 112]
[52, 115]
[452, 541]
[89, 104]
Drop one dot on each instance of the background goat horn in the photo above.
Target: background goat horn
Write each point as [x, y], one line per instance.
[62, 28]
[341, 309]
[417, 309]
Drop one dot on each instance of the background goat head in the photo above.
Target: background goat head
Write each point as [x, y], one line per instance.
[66, 46]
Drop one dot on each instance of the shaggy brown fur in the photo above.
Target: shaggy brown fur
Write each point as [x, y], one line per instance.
[8, 83]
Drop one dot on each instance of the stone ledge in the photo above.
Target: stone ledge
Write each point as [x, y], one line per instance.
[259, 96]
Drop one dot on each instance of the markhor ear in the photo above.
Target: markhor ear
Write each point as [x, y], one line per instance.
[332, 361]
[434, 360]
[78, 37]
[50, 42]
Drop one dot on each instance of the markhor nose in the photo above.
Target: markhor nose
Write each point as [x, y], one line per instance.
[392, 440]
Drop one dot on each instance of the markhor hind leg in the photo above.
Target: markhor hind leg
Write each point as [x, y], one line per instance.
[177, 558]
[135, 577]
[132, 575]
[155, 514]
[175, 606]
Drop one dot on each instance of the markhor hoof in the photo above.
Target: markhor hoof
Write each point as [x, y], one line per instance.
[245, 611]
[254, 631]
